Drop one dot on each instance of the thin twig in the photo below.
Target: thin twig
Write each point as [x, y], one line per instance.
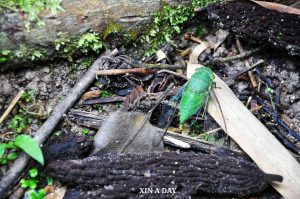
[125, 71]
[11, 105]
[102, 100]
[232, 58]
[157, 66]
[213, 131]
[173, 73]
[246, 70]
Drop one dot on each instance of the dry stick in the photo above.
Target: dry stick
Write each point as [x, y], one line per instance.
[125, 71]
[11, 105]
[244, 71]
[41, 135]
[246, 62]
[157, 66]
[232, 58]
[172, 73]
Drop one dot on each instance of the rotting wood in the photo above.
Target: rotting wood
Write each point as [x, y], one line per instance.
[193, 173]
[11, 105]
[255, 139]
[46, 129]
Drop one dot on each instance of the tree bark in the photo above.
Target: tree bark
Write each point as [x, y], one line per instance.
[78, 17]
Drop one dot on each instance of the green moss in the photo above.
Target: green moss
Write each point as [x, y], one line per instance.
[131, 36]
[89, 42]
[167, 22]
[111, 28]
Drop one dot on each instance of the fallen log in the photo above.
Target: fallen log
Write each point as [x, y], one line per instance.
[78, 17]
[125, 176]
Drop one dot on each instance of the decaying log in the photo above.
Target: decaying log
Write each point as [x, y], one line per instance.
[119, 176]
[78, 17]
[260, 24]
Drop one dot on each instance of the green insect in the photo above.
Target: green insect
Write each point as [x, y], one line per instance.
[197, 93]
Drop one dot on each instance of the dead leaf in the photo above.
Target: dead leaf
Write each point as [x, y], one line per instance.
[160, 55]
[119, 127]
[58, 194]
[91, 94]
[278, 7]
[221, 36]
[197, 51]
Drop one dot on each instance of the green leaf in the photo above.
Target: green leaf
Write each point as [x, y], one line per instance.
[12, 156]
[29, 183]
[33, 172]
[37, 195]
[3, 159]
[31, 147]
[3, 148]
[49, 181]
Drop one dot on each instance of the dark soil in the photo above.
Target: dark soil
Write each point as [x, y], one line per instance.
[255, 22]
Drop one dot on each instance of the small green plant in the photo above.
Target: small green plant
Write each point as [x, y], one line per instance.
[7, 152]
[85, 131]
[106, 93]
[89, 42]
[36, 55]
[33, 194]
[29, 96]
[4, 55]
[19, 123]
[31, 182]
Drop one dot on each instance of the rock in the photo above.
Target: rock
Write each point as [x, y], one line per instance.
[6, 88]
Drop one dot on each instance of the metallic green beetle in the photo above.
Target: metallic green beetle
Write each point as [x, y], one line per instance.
[197, 93]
